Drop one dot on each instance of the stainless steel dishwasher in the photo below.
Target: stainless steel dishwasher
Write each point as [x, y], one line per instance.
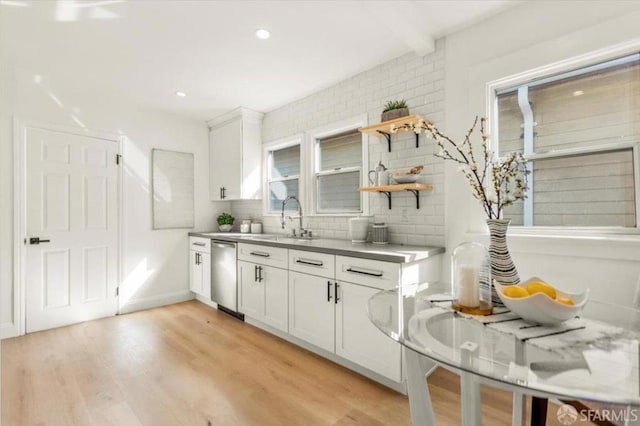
[224, 282]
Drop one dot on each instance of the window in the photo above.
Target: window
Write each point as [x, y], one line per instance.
[283, 176]
[581, 132]
[322, 168]
[337, 174]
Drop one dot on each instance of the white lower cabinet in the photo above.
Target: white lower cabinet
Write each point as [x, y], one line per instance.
[311, 309]
[333, 316]
[200, 273]
[322, 299]
[358, 340]
[262, 294]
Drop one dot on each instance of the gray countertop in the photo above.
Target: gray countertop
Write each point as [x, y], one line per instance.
[387, 253]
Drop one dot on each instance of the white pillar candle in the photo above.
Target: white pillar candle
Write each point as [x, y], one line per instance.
[468, 286]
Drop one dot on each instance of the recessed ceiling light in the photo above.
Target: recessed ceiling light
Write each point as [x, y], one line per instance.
[578, 93]
[263, 34]
[181, 94]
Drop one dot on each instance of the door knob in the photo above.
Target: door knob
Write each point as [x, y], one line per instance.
[37, 240]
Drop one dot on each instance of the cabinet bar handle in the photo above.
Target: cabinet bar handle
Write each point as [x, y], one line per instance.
[260, 274]
[197, 258]
[372, 274]
[259, 253]
[328, 291]
[255, 273]
[310, 262]
[335, 293]
[199, 244]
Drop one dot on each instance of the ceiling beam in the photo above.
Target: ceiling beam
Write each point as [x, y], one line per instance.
[393, 16]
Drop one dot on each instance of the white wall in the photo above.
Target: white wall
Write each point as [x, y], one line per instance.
[155, 262]
[419, 80]
[526, 37]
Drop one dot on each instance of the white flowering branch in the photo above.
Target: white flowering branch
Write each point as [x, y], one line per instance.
[496, 183]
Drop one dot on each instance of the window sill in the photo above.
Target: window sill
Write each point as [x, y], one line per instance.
[594, 233]
[603, 243]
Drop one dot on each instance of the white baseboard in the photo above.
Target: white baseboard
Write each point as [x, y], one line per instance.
[206, 301]
[9, 329]
[156, 301]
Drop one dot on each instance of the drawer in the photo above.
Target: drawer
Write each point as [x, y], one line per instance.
[200, 244]
[372, 273]
[313, 263]
[264, 255]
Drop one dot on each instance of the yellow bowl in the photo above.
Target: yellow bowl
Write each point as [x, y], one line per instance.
[540, 308]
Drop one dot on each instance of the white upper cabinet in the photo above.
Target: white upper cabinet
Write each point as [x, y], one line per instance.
[235, 149]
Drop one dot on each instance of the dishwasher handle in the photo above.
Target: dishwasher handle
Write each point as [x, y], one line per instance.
[223, 244]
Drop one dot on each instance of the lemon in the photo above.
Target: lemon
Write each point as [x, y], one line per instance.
[540, 287]
[515, 292]
[565, 301]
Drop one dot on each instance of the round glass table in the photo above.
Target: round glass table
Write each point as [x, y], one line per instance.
[596, 357]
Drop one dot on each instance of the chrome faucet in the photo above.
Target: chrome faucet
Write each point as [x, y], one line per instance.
[303, 231]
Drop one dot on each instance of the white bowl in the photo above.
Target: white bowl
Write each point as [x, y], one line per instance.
[406, 178]
[540, 308]
[225, 228]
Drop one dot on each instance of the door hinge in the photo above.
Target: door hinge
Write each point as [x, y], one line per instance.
[117, 291]
[118, 159]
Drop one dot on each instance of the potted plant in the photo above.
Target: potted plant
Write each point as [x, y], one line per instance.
[225, 222]
[394, 109]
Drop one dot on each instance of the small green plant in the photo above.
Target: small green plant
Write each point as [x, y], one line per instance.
[391, 105]
[225, 219]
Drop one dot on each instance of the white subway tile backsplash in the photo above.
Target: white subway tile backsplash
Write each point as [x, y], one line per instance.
[419, 80]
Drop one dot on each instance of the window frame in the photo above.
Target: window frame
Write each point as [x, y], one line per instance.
[545, 74]
[268, 149]
[312, 140]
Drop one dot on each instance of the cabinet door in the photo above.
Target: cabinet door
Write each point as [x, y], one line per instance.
[311, 311]
[225, 160]
[276, 297]
[250, 291]
[195, 272]
[358, 340]
[205, 267]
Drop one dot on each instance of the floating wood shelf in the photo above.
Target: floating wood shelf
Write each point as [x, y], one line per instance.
[384, 128]
[414, 188]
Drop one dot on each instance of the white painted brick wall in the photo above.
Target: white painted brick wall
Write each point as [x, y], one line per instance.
[419, 80]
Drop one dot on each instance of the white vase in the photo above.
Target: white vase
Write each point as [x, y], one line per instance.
[359, 229]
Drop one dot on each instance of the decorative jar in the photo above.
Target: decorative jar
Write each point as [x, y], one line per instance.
[470, 279]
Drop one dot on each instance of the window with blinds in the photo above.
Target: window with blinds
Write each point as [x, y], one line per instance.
[283, 177]
[337, 174]
[580, 131]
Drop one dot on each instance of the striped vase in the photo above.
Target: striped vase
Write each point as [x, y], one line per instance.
[502, 268]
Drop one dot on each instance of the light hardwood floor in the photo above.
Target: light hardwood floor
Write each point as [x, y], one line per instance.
[188, 364]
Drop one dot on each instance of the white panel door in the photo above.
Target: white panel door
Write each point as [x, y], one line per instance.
[225, 161]
[311, 312]
[71, 201]
[358, 340]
